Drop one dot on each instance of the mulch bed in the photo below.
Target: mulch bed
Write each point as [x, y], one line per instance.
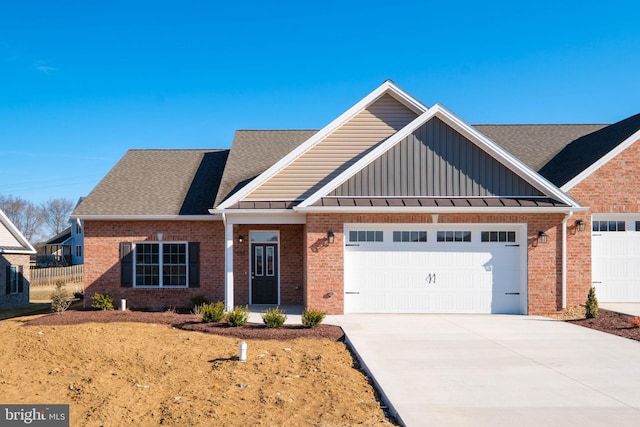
[190, 322]
[612, 323]
[607, 321]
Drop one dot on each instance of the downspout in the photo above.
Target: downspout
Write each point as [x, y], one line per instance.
[564, 259]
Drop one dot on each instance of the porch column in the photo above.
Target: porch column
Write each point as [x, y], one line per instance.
[228, 265]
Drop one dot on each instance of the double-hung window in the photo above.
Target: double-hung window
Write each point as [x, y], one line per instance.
[161, 264]
[13, 277]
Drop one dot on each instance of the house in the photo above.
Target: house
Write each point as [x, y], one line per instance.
[15, 251]
[77, 242]
[55, 252]
[392, 207]
[65, 248]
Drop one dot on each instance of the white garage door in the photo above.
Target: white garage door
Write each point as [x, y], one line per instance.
[615, 255]
[435, 269]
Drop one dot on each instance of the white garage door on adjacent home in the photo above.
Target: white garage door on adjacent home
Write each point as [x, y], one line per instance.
[396, 268]
[615, 257]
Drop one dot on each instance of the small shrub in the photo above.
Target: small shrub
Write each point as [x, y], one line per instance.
[60, 298]
[274, 317]
[102, 301]
[635, 321]
[211, 312]
[592, 304]
[311, 317]
[239, 316]
[198, 300]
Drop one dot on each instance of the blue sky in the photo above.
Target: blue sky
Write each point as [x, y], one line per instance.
[81, 82]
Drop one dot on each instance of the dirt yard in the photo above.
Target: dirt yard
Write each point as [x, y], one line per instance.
[159, 373]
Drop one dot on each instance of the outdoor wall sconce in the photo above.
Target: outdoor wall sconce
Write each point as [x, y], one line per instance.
[542, 237]
[331, 237]
[580, 225]
[240, 238]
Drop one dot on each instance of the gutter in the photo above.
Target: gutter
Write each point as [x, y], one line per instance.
[436, 210]
[147, 217]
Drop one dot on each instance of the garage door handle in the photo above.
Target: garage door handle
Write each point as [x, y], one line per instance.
[513, 246]
[512, 293]
[352, 293]
[596, 283]
[352, 244]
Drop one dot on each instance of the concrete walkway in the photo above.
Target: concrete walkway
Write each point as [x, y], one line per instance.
[494, 370]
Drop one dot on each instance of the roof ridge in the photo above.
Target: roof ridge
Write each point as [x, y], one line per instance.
[542, 124]
[178, 149]
[276, 130]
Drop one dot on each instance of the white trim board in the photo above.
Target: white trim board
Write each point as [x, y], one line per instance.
[515, 165]
[386, 87]
[601, 162]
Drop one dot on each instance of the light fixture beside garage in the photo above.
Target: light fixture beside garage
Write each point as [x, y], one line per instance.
[542, 237]
[580, 225]
[331, 237]
[240, 238]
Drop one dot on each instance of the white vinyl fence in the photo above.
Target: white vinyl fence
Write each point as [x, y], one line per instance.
[49, 276]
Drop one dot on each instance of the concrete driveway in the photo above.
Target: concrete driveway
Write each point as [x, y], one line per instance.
[497, 370]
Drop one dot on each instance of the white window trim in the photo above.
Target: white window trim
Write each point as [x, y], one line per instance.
[160, 264]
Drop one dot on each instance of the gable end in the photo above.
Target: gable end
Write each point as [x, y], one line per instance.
[435, 161]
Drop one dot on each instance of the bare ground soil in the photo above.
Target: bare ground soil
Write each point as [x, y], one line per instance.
[117, 368]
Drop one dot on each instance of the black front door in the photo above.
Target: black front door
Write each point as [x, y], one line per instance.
[264, 273]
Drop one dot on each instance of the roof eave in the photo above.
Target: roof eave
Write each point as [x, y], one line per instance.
[147, 217]
[601, 161]
[468, 131]
[18, 251]
[386, 87]
[438, 210]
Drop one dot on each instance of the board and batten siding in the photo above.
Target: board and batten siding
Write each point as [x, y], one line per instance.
[435, 161]
[337, 151]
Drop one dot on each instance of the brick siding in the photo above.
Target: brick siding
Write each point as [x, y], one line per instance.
[21, 298]
[291, 262]
[613, 188]
[102, 260]
[324, 262]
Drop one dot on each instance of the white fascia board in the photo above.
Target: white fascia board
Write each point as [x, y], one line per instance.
[458, 124]
[374, 154]
[386, 87]
[601, 162]
[438, 210]
[516, 165]
[29, 249]
[147, 217]
[18, 251]
[264, 216]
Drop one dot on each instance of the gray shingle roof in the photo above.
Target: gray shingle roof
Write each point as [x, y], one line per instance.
[253, 152]
[535, 145]
[158, 182]
[586, 150]
[189, 182]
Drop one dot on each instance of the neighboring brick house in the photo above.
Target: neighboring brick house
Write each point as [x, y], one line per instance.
[391, 207]
[15, 252]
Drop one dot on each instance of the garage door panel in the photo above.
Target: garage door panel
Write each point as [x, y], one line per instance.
[616, 265]
[434, 277]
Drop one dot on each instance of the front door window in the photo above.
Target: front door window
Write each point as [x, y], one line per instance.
[264, 267]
